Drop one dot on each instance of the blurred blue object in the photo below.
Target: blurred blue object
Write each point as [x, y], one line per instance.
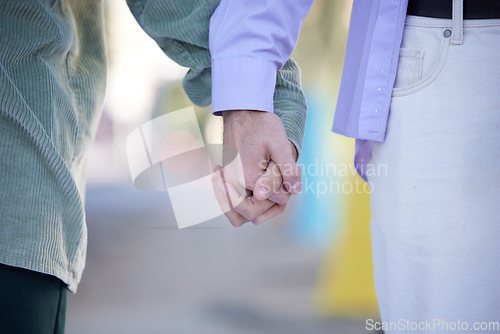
[314, 215]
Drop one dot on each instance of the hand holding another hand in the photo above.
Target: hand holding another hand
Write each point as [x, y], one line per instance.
[267, 168]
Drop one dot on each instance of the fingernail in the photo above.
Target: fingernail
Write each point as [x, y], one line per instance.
[295, 187]
[262, 191]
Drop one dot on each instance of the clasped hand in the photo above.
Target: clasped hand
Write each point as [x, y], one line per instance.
[258, 184]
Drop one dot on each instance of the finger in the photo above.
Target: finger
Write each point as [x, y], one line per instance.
[290, 172]
[219, 190]
[233, 173]
[254, 164]
[281, 196]
[268, 183]
[235, 218]
[272, 212]
[250, 208]
[221, 195]
[270, 186]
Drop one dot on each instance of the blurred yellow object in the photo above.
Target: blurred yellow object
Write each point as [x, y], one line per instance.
[346, 286]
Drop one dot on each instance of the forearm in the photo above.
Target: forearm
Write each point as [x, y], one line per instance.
[181, 29]
[290, 103]
[250, 44]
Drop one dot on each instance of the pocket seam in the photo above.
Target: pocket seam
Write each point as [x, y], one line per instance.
[415, 55]
[429, 78]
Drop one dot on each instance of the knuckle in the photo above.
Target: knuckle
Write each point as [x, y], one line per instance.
[246, 213]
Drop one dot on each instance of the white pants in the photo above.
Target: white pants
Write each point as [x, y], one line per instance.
[436, 211]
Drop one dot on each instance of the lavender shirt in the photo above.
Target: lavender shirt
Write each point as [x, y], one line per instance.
[370, 65]
[251, 39]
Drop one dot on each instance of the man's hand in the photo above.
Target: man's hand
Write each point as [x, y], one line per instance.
[267, 167]
[259, 138]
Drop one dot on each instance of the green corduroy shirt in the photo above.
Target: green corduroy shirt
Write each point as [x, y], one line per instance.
[52, 85]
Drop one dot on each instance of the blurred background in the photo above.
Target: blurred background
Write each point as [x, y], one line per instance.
[306, 271]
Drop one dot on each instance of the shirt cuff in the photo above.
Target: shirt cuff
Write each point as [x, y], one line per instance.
[242, 83]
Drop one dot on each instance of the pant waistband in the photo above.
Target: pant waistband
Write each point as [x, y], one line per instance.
[472, 9]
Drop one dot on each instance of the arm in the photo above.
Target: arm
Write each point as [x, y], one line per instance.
[250, 41]
[181, 29]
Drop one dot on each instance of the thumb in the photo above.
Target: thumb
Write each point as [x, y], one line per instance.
[269, 186]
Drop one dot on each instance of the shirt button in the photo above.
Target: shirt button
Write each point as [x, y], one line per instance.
[447, 33]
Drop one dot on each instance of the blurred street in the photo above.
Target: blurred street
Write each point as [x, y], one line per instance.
[144, 275]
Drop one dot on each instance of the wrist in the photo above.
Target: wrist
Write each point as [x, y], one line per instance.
[239, 115]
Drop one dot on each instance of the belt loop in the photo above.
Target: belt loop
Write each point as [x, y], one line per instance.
[457, 29]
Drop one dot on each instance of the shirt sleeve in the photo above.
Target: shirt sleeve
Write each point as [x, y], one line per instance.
[250, 40]
[181, 30]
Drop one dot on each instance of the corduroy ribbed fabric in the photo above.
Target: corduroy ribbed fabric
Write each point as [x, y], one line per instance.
[180, 28]
[52, 79]
[52, 83]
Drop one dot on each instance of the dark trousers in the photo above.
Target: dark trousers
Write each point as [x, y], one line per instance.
[31, 302]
